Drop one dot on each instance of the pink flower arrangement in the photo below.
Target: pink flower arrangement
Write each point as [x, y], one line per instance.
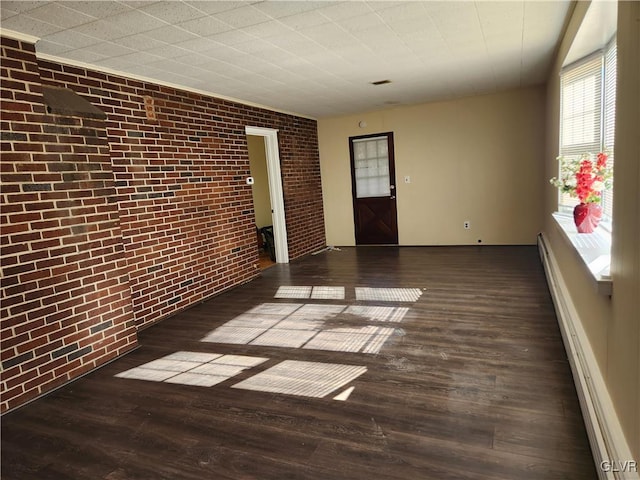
[584, 178]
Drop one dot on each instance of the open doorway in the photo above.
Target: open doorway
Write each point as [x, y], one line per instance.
[261, 201]
[271, 230]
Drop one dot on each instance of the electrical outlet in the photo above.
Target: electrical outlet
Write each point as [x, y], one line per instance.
[467, 224]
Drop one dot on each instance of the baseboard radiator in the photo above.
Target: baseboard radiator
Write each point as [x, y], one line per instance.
[610, 450]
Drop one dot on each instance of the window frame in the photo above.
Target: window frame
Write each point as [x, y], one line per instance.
[595, 64]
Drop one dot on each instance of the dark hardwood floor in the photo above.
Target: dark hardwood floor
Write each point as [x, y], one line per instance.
[472, 384]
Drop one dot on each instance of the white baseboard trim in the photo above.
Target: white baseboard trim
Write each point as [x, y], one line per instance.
[610, 450]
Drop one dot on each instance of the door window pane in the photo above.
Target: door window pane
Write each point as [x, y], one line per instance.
[372, 167]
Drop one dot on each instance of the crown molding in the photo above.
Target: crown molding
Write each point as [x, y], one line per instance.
[23, 37]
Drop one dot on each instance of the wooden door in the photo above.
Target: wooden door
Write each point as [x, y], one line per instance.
[374, 190]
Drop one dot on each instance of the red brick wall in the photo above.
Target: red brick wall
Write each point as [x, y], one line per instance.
[186, 222]
[66, 302]
[186, 211]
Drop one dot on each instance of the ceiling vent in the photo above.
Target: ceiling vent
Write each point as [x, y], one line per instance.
[381, 82]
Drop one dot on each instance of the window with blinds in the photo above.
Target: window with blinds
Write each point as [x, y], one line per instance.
[587, 114]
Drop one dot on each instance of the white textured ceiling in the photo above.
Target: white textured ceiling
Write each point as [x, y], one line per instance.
[315, 58]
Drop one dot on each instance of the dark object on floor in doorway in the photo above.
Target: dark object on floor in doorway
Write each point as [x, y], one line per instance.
[269, 244]
[260, 239]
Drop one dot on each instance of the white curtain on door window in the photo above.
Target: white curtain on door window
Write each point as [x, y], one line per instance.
[372, 167]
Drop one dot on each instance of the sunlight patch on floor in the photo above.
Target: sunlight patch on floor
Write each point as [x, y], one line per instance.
[307, 379]
[349, 339]
[193, 368]
[293, 292]
[311, 326]
[318, 293]
[328, 293]
[234, 335]
[388, 294]
[277, 337]
[378, 314]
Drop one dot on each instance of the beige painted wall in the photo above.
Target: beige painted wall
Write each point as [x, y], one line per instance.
[260, 189]
[611, 323]
[478, 159]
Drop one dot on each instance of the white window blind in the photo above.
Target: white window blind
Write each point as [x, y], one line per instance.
[609, 119]
[587, 114]
[581, 108]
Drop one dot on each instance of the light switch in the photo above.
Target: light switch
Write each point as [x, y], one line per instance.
[407, 179]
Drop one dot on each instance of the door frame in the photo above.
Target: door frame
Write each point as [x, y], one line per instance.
[276, 193]
[392, 180]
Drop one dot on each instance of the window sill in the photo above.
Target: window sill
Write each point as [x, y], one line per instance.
[594, 249]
